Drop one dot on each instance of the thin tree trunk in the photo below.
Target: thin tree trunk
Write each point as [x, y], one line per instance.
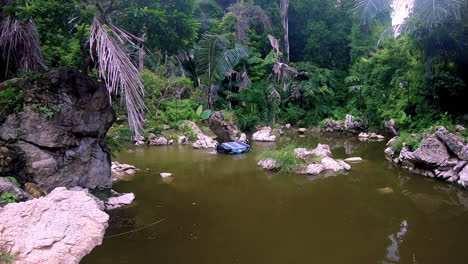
[284, 6]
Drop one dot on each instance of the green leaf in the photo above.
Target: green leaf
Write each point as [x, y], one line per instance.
[199, 110]
[206, 114]
[14, 181]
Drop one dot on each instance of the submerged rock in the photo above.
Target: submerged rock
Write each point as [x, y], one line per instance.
[119, 201]
[268, 164]
[165, 174]
[385, 190]
[59, 134]
[353, 159]
[60, 228]
[264, 134]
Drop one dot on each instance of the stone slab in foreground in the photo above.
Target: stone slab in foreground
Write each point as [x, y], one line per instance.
[62, 227]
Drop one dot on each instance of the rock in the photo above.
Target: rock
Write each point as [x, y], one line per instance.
[353, 159]
[332, 125]
[120, 171]
[204, 142]
[334, 165]
[225, 131]
[313, 169]
[322, 150]
[268, 164]
[280, 132]
[264, 134]
[243, 138]
[392, 141]
[139, 138]
[376, 136]
[302, 153]
[431, 152]
[165, 174]
[7, 160]
[119, 201]
[7, 186]
[60, 228]
[151, 136]
[182, 140]
[192, 126]
[451, 174]
[385, 190]
[161, 141]
[302, 130]
[459, 128]
[453, 142]
[463, 177]
[64, 146]
[170, 141]
[287, 126]
[391, 128]
[353, 126]
[140, 143]
[363, 135]
[166, 127]
[34, 190]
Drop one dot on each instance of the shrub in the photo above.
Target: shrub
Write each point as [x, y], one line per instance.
[8, 197]
[285, 158]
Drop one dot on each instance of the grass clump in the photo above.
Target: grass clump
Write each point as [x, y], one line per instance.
[411, 141]
[285, 158]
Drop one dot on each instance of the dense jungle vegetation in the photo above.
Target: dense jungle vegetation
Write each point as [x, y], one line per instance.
[261, 61]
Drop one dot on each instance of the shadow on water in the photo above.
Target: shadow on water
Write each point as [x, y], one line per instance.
[224, 209]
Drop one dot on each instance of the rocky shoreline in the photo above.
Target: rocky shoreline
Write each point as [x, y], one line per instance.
[441, 155]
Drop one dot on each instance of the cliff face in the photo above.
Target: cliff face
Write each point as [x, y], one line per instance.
[55, 134]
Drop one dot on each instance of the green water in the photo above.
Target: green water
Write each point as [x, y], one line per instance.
[224, 209]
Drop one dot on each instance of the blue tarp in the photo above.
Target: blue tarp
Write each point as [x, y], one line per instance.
[234, 145]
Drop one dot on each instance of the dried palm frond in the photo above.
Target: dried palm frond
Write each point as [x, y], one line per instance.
[245, 82]
[117, 70]
[20, 47]
[282, 71]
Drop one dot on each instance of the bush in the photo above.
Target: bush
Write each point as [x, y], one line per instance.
[8, 197]
[285, 158]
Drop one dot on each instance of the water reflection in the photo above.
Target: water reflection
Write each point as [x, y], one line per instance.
[393, 254]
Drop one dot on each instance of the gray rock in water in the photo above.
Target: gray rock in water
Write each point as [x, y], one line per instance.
[353, 126]
[264, 134]
[463, 177]
[431, 152]
[60, 228]
[204, 142]
[161, 141]
[322, 150]
[353, 159]
[268, 164]
[59, 135]
[119, 201]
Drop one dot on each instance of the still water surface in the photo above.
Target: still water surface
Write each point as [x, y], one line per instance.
[224, 209]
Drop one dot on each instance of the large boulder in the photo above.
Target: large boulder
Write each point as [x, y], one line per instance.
[60, 228]
[59, 134]
[432, 152]
[453, 142]
[225, 131]
[264, 134]
[352, 126]
[392, 128]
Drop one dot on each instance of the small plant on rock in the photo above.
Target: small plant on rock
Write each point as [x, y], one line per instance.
[8, 197]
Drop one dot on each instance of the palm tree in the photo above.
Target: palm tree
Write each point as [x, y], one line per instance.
[428, 13]
[215, 59]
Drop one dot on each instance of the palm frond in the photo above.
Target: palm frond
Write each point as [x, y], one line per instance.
[431, 13]
[368, 9]
[118, 71]
[20, 47]
[214, 58]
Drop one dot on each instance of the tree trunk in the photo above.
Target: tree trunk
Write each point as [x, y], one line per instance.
[284, 6]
